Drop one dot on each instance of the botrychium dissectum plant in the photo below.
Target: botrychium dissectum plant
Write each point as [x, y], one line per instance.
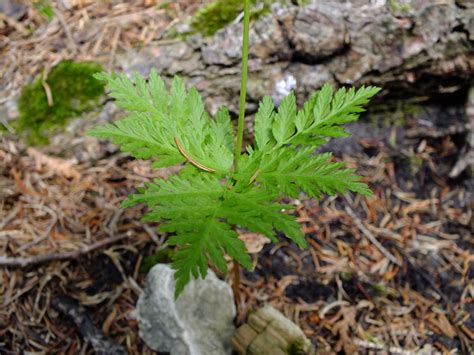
[221, 187]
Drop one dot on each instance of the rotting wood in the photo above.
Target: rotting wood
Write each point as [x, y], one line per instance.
[267, 331]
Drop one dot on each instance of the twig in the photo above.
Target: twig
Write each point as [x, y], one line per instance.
[381, 347]
[372, 238]
[10, 233]
[16, 24]
[150, 231]
[40, 259]
[10, 217]
[328, 307]
[46, 87]
[45, 235]
[125, 20]
[115, 40]
[86, 327]
[71, 42]
[236, 284]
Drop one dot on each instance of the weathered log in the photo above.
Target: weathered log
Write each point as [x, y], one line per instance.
[267, 331]
[427, 47]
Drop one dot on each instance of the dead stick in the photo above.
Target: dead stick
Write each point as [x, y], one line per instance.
[46, 87]
[372, 238]
[44, 258]
[115, 40]
[70, 39]
[83, 321]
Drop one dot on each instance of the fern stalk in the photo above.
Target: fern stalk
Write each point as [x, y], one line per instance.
[240, 127]
[243, 85]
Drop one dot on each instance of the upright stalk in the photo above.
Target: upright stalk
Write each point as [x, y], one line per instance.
[243, 85]
[240, 129]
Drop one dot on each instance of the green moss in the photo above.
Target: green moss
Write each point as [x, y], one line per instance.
[416, 163]
[380, 289]
[219, 13]
[394, 113]
[45, 8]
[216, 15]
[162, 256]
[346, 276]
[297, 348]
[165, 5]
[74, 90]
[399, 6]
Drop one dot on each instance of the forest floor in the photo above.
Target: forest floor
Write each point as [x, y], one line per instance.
[390, 274]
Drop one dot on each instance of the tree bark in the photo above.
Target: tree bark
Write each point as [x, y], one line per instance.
[423, 49]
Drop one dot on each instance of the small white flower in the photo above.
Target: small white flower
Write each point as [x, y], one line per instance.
[283, 87]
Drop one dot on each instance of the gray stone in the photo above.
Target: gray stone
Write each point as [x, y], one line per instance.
[13, 8]
[321, 41]
[200, 322]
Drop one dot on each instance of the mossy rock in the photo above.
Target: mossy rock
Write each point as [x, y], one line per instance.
[74, 90]
[216, 15]
[400, 6]
[219, 13]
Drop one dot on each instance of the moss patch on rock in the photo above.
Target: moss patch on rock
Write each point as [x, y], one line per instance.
[219, 13]
[216, 15]
[400, 6]
[74, 90]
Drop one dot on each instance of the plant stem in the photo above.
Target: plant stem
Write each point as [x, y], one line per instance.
[236, 285]
[240, 129]
[243, 85]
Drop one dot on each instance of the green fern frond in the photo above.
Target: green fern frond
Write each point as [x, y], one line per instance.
[223, 132]
[203, 204]
[141, 135]
[209, 240]
[291, 171]
[320, 118]
[284, 121]
[196, 209]
[263, 123]
[253, 208]
[160, 117]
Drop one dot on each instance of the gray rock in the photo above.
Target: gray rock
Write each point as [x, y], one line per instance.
[321, 41]
[200, 322]
[12, 8]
